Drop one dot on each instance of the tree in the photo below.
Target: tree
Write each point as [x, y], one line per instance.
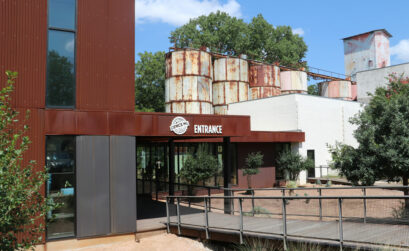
[292, 164]
[217, 31]
[383, 138]
[259, 39]
[22, 205]
[199, 167]
[150, 82]
[253, 163]
[313, 90]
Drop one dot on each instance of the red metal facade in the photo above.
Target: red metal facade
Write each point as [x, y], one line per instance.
[23, 48]
[105, 55]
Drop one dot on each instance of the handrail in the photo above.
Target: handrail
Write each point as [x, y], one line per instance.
[315, 188]
[291, 197]
[284, 200]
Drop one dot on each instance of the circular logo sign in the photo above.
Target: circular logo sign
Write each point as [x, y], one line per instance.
[179, 125]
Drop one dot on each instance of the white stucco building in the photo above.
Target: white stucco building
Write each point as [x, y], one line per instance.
[369, 80]
[324, 121]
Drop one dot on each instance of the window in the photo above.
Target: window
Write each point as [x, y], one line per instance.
[60, 161]
[60, 91]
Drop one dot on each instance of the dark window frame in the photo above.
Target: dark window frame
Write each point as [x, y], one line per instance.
[75, 191]
[74, 31]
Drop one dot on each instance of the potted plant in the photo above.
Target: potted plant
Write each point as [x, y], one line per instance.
[253, 163]
[199, 167]
[292, 164]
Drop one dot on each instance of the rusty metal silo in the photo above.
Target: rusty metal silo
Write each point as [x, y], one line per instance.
[293, 82]
[336, 89]
[188, 84]
[230, 84]
[264, 81]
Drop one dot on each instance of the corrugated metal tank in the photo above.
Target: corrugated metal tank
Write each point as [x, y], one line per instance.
[188, 85]
[231, 83]
[293, 82]
[336, 89]
[264, 81]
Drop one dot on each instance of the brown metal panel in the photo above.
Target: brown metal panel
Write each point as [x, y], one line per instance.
[60, 122]
[23, 42]
[92, 123]
[105, 55]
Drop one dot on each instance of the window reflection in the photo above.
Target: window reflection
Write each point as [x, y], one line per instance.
[153, 168]
[61, 14]
[60, 79]
[60, 161]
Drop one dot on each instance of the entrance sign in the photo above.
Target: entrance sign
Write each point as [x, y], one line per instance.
[179, 125]
[208, 129]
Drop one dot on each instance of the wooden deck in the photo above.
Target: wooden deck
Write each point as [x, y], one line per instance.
[353, 232]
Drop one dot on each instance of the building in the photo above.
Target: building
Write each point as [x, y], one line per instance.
[325, 121]
[366, 51]
[75, 61]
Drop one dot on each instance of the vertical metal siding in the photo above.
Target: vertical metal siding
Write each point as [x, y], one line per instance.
[23, 40]
[92, 172]
[105, 55]
[123, 184]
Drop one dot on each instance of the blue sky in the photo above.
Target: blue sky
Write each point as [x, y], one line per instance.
[321, 23]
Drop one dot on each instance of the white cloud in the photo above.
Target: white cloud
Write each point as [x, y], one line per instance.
[298, 31]
[178, 12]
[401, 50]
[69, 46]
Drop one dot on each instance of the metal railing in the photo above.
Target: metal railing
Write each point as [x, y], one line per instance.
[291, 224]
[289, 191]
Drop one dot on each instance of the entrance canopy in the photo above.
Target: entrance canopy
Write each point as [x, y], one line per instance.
[161, 126]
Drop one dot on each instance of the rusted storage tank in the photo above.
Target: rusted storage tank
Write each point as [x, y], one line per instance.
[336, 89]
[293, 82]
[188, 84]
[354, 92]
[264, 81]
[230, 84]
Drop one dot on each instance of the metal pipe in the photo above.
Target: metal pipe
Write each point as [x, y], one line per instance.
[324, 188]
[210, 201]
[341, 234]
[320, 202]
[232, 194]
[206, 218]
[167, 215]
[364, 191]
[178, 214]
[252, 202]
[241, 221]
[284, 224]
[295, 197]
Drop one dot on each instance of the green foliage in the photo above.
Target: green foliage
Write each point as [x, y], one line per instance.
[292, 164]
[313, 90]
[199, 167]
[150, 82]
[383, 137]
[253, 163]
[22, 205]
[258, 210]
[258, 39]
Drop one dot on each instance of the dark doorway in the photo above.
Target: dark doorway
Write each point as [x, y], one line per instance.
[311, 156]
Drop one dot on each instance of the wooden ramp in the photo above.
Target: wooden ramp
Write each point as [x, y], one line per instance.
[353, 232]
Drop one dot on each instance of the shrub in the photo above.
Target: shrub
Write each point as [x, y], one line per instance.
[253, 163]
[292, 164]
[199, 167]
[22, 205]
